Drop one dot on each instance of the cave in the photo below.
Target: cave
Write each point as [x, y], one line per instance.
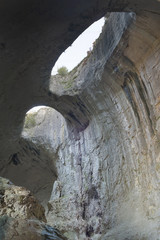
[91, 156]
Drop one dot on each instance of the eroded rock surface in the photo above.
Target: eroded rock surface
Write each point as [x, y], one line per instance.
[14, 197]
[33, 35]
[103, 152]
[21, 216]
[107, 184]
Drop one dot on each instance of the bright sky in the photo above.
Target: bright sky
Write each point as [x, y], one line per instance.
[78, 50]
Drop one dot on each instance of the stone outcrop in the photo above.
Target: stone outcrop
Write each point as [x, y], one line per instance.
[101, 150]
[21, 216]
[12, 199]
[19, 229]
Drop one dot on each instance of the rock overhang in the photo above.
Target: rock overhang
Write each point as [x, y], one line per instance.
[122, 62]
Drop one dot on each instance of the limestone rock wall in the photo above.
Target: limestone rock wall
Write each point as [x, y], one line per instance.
[21, 215]
[102, 153]
[107, 184]
[33, 35]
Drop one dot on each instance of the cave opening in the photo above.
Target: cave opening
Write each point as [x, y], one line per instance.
[33, 165]
[107, 171]
[80, 48]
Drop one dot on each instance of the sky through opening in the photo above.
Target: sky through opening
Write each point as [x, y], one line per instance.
[74, 54]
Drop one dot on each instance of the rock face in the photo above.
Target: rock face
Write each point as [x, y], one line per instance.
[21, 216]
[12, 199]
[102, 148]
[33, 35]
[106, 151]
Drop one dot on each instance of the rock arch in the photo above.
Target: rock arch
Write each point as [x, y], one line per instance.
[112, 147]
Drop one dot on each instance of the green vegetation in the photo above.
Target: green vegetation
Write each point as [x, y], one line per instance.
[30, 121]
[63, 71]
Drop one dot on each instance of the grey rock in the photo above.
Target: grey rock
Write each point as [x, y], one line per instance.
[21, 215]
[102, 154]
[107, 183]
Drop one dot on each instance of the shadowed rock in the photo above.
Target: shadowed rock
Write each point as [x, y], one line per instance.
[21, 216]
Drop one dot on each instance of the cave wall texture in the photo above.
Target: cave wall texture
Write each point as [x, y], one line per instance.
[95, 156]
